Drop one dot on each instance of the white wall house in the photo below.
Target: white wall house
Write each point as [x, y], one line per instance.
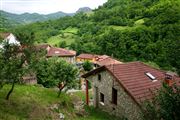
[9, 38]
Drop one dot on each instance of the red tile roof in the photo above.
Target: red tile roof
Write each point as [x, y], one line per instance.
[60, 52]
[87, 56]
[131, 76]
[107, 61]
[102, 57]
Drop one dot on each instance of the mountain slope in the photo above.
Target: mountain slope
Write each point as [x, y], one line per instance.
[32, 17]
[84, 10]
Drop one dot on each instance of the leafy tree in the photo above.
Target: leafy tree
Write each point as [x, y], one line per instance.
[56, 72]
[11, 66]
[165, 105]
[13, 60]
[87, 66]
[62, 44]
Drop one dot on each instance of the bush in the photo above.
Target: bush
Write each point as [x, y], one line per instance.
[165, 106]
[87, 66]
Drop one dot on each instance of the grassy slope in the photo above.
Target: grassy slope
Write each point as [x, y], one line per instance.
[69, 37]
[137, 23]
[33, 102]
[28, 102]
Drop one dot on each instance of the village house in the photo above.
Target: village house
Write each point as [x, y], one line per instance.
[86, 57]
[67, 55]
[120, 89]
[9, 38]
[99, 60]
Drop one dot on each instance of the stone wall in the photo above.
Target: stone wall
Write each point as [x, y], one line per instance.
[126, 106]
[30, 80]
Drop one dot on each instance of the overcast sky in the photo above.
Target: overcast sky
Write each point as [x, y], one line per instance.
[47, 6]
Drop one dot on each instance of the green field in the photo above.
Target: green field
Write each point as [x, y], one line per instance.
[35, 103]
[68, 35]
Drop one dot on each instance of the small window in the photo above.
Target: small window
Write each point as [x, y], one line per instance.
[114, 96]
[101, 97]
[99, 77]
[153, 78]
[56, 52]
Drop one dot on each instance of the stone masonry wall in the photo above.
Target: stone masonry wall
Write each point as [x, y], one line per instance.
[125, 104]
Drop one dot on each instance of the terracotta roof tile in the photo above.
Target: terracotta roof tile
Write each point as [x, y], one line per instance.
[60, 52]
[133, 79]
[87, 56]
[107, 61]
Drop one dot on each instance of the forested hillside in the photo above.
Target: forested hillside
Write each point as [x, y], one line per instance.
[130, 30]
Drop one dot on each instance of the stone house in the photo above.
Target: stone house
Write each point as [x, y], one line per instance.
[120, 89]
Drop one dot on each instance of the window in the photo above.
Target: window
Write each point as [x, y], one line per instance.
[99, 77]
[150, 76]
[101, 97]
[114, 96]
[153, 78]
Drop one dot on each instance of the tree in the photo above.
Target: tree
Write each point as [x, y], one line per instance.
[56, 72]
[165, 106]
[11, 66]
[13, 59]
[87, 66]
[63, 44]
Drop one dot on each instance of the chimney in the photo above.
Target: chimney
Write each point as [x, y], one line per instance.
[169, 78]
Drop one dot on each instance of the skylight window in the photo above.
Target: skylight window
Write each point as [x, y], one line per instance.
[56, 52]
[150, 76]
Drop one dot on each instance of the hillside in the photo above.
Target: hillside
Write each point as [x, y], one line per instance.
[32, 17]
[35, 102]
[68, 35]
[18, 19]
[129, 30]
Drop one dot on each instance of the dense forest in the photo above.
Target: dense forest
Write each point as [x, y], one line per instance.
[130, 30]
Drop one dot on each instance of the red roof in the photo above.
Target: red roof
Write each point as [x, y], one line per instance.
[131, 76]
[60, 52]
[107, 61]
[87, 56]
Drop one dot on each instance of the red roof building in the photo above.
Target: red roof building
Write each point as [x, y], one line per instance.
[68, 55]
[123, 87]
[86, 57]
[60, 52]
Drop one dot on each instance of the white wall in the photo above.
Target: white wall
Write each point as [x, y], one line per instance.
[11, 39]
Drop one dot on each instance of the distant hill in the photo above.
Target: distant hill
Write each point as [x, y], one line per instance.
[84, 10]
[8, 20]
[31, 17]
